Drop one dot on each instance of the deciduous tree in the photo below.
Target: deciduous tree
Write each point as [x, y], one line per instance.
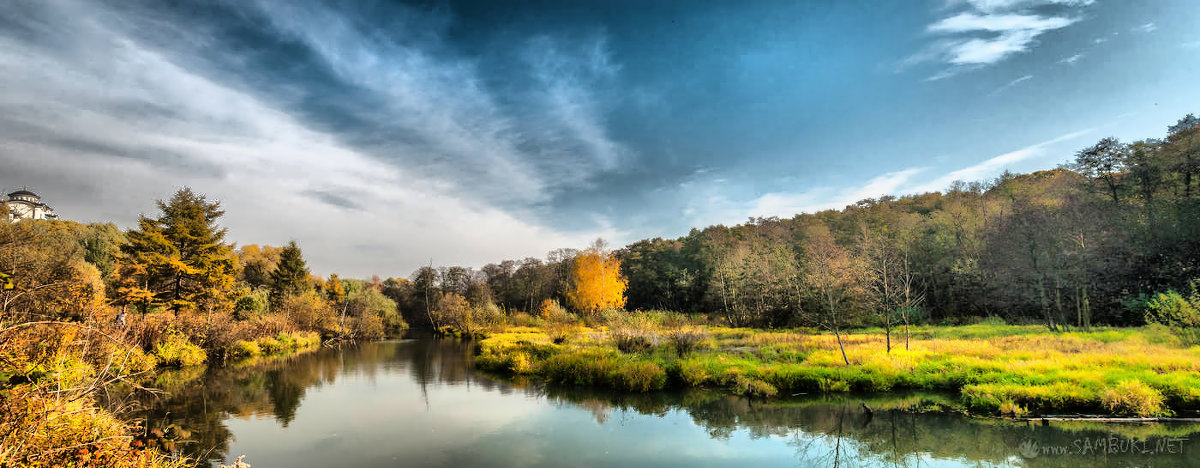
[596, 282]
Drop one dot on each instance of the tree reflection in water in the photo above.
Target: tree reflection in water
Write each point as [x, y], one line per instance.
[824, 431]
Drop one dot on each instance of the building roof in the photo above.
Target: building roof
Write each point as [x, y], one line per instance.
[22, 192]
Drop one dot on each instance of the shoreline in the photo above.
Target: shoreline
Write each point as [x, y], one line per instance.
[994, 370]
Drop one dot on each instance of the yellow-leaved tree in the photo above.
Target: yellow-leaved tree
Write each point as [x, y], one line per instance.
[596, 281]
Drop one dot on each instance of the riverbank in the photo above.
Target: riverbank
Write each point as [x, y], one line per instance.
[52, 372]
[995, 369]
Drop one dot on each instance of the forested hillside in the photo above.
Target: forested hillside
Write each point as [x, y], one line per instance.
[1086, 243]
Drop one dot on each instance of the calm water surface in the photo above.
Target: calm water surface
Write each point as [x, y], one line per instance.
[418, 402]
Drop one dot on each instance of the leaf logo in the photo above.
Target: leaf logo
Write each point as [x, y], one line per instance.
[1029, 449]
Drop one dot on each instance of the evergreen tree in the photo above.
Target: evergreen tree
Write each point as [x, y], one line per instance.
[290, 275]
[180, 259]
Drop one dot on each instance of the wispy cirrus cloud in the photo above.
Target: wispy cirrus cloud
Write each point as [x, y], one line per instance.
[1145, 28]
[786, 204]
[985, 32]
[1071, 60]
[994, 165]
[445, 119]
[120, 111]
[1010, 84]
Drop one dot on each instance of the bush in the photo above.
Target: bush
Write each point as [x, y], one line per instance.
[1132, 397]
[244, 349]
[369, 327]
[310, 311]
[176, 351]
[1010, 408]
[686, 340]
[550, 310]
[522, 319]
[1181, 314]
[453, 310]
[270, 346]
[559, 333]
[367, 301]
[632, 340]
[250, 303]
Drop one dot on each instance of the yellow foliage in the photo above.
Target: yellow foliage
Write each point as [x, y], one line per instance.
[596, 282]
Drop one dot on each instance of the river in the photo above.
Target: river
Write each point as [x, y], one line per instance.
[419, 402]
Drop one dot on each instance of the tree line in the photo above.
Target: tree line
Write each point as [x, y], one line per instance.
[1087, 243]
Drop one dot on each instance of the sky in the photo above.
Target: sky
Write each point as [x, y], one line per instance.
[382, 136]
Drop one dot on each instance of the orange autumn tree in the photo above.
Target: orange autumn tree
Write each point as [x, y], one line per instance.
[596, 282]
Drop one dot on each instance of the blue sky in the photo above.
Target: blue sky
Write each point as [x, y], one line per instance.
[383, 135]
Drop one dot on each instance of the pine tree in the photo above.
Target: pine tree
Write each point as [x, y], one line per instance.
[290, 275]
[180, 259]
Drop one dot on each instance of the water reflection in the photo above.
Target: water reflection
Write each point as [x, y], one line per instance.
[418, 402]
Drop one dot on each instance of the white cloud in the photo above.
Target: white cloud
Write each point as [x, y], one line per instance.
[989, 32]
[102, 126]
[1071, 60]
[970, 22]
[1007, 5]
[566, 104]
[994, 165]
[788, 204]
[480, 145]
[1146, 28]
[1010, 84]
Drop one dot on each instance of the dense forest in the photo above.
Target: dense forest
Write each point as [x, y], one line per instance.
[1086, 243]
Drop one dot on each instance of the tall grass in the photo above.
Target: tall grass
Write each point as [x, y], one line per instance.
[995, 368]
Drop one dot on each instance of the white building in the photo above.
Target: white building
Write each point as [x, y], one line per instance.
[24, 204]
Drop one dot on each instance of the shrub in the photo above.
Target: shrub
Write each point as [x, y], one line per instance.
[1179, 313]
[743, 385]
[369, 327]
[244, 349]
[1010, 408]
[176, 351]
[686, 340]
[309, 311]
[251, 303]
[833, 385]
[270, 346]
[632, 340]
[559, 333]
[367, 301]
[551, 310]
[1132, 397]
[522, 319]
[453, 310]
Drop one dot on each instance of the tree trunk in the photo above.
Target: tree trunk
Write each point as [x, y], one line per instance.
[887, 327]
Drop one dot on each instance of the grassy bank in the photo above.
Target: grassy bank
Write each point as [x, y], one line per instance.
[995, 369]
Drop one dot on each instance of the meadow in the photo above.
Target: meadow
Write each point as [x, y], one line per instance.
[994, 369]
